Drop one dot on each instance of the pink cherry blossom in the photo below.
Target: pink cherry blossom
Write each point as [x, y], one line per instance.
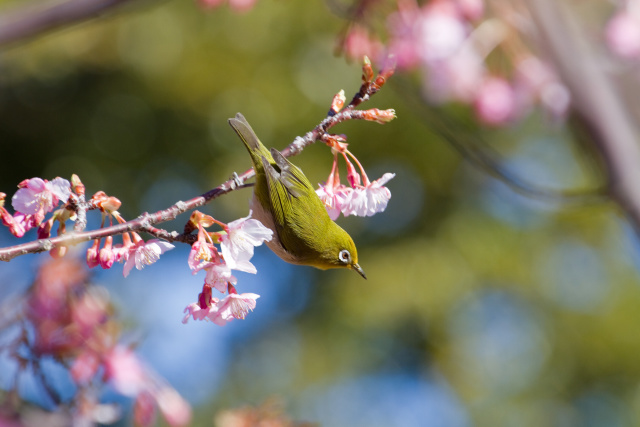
[218, 276]
[145, 253]
[194, 310]
[242, 236]
[201, 252]
[456, 78]
[334, 199]
[40, 196]
[369, 200]
[205, 309]
[15, 224]
[125, 371]
[623, 35]
[129, 376]
[84, 367]
[495, 101]
[535, 80]
[427, 35]
[233, 306]
[472, 10]
[144, 410]
[174, 408]
[237, 305]
[358, 42]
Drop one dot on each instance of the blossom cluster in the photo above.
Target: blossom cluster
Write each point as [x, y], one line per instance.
[71, 321]
[449, 42]
[237, 242]
[34, 199]
[363, 197]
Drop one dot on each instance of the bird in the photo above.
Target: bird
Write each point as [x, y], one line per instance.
[285, 202]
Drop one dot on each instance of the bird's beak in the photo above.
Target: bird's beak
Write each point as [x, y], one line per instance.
[360, 271]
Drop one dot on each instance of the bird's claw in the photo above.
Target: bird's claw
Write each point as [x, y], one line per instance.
[236, 181]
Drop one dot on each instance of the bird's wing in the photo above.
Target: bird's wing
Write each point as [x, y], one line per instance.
[279, 197]
[291, 176]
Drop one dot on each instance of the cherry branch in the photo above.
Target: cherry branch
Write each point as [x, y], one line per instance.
[146, 221]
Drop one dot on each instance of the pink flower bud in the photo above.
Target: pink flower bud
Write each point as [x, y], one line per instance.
[338, 101]
[144, 410]
[623, 35]
[58, 251]
[379, 116]
[92, 254]
[107, 257]
[367, 70]
[78, 186]
[495, 101]
[352, 174]
[110, 204]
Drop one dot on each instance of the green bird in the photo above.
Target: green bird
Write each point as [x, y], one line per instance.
[284, 201]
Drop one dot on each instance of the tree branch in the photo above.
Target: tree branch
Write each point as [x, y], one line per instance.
[146, 221]
[595, 101]
[35, 19]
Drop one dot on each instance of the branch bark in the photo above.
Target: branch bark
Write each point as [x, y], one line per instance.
[595, 100]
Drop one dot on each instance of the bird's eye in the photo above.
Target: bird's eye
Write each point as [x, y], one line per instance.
[345, 256]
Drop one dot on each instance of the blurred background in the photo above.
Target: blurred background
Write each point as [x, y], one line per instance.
[483, 307]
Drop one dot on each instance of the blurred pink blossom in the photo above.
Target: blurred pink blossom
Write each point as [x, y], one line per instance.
[84, 367]
[622, 34]
[536, 81]
[125, 371]
[175, 409]
[358, 42]
[495, 102]
[237, 5]
[472, 10]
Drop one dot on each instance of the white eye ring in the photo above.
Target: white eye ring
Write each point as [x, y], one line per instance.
[344, 256]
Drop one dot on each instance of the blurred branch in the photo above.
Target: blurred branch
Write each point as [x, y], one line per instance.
[474, 149]
[595, 101]
[36, 19]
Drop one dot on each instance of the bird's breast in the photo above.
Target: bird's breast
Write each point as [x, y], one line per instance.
[266, 218]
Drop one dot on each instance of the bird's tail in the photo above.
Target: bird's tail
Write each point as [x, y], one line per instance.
[250, 140]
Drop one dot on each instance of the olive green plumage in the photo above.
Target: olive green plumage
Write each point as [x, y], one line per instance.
[284, 200]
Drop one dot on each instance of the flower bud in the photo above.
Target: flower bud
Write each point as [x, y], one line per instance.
[92, 254]
[78, 186]
[107, 257]
[110, 204]
[44, 230]
[338, 101]
[379, 116]
[367, 70]
[58, 251]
